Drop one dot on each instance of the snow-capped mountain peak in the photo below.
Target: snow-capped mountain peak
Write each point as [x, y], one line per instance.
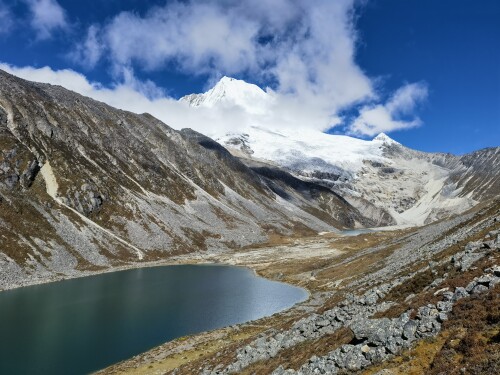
[384, 138]
[305, 149]
[385, 180]
[231, 92]
[389, 183]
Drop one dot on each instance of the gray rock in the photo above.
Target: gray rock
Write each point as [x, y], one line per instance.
[323, 323]
[353, 358]
[485, 279]
[394, 344]
[409, 330]
[471, 286]
[448, 296]
[460, 293]
[427, 311]
[327, 330]
[442, 317]
[376, 354]
[424, 327]
[444, 306]
[479, 289]
[376, 331]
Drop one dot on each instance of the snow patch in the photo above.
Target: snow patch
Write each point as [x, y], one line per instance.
[50, 180]
[307, 149]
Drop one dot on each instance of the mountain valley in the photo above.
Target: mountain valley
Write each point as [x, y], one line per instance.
[86, 188]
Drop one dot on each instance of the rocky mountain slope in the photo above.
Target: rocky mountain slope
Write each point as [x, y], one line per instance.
[85, 187]
[424, 300]
[385, 180]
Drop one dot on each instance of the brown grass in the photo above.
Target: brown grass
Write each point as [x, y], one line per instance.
[421, 280]
[473, 346]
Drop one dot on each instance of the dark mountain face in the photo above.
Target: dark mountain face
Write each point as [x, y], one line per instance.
[479, 174]
[84, 186]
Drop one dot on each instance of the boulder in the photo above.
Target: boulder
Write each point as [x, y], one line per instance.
[479, 289]
[444, 306]
[485, 279]
[409, 330]
[375, 331]
[376, 354]
[471, 286]
[353, 358]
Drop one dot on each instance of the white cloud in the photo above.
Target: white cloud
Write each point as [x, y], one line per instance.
[396, 114]
[306, 47]
[138, 97]
[281, 111]
[6, 19]
[68, 78]
[198, 37]
[47, 16]
[88, 52]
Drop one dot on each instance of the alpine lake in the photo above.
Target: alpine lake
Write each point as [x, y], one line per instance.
[82, 325]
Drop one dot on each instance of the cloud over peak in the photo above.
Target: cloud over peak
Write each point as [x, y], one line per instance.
[305, 50]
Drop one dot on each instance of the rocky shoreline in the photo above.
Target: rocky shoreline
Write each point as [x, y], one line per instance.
[378, 339]
[383, 338]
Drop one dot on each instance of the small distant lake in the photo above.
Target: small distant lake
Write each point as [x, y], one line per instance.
[82, 325]
[355, 232]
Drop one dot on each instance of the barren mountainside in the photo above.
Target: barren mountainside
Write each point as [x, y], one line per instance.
[85, 187]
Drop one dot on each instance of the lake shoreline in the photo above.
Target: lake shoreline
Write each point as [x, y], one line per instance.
[175, 261]
[251, 259]
[149, 306]
[284, 259]
[205, 257]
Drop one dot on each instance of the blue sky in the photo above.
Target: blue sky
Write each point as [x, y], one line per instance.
[425, 72]
[454, 45]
